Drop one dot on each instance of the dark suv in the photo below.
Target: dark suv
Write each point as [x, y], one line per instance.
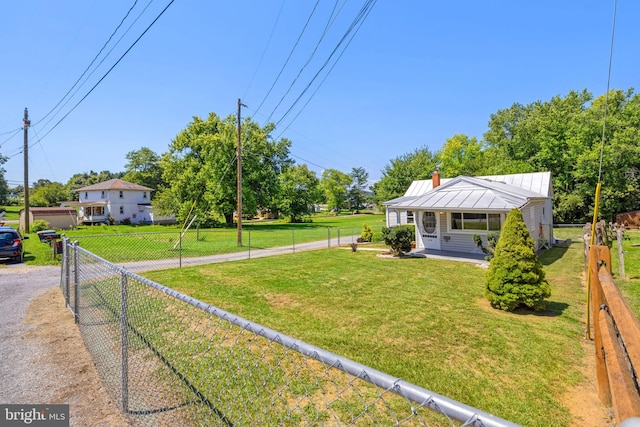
[11, 244]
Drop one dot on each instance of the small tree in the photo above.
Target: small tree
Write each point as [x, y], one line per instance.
[399, 238]
[492, 241]
[515, 277]
[367, 233]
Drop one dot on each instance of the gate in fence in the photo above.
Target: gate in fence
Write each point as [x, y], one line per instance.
[168, 359]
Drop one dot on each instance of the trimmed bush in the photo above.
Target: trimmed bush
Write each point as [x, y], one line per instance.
[367, 233]
[377, 237]
[399, 238]
[516, 277]
[39, 225]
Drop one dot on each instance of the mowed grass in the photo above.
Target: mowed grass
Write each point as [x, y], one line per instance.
[422, 320]
[125, 243]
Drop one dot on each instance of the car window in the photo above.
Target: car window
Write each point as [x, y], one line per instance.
[8, 236]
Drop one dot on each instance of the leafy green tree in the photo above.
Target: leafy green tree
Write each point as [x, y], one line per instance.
[460, 155]
[515, 277]
[564, 136]
[89, 178]
[401, 172]
[334, 185]
[4, 187]
[143, 168]
[48, 194]
[200, 168]
[299, 191]
[399, 238]
[357, 196]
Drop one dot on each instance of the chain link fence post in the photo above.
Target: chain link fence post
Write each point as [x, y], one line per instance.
[293, 241]
[328, 237]
[180, 249]
[338, 237]
[76, 283]
[66, 269]
[124, 343]
[249, 249]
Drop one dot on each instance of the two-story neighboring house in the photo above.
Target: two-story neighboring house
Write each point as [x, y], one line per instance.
[114, 200]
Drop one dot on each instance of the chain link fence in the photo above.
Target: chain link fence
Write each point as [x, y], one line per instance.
[168, 359]
[154, 250]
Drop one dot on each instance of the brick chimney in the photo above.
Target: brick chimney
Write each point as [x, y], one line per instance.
[435, 178]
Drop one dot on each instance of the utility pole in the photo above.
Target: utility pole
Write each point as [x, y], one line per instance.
[27, 122]
[239, 156]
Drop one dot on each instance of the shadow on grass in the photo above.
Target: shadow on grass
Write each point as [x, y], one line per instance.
[554, 254]
[553, 309]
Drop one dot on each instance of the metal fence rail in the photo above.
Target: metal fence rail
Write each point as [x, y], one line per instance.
[154, 250]
[169, 359]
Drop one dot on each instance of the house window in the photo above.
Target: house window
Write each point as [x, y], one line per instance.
[102, 195]
[122, 194]
[409, 217]
[475, 221]
[121, 210]
[144, 195]
[86, 194]
[98, 210]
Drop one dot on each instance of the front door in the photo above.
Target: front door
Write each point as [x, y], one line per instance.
[429, 230]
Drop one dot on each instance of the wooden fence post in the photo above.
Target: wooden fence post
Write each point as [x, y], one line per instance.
[604, 391]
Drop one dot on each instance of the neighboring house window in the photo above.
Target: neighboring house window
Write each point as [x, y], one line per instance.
[475, 221]
[122, 195]
[121, 210]
[98, 210]
[86, 194]
[409, 217]
[144, 195]
[102, 195]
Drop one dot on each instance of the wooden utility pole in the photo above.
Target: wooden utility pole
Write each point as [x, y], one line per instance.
[27, 122]
[239, 156]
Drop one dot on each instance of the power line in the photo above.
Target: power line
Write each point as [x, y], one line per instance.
[330, 22]
[273, 29]
[15, 132]
[295, 45]
[356, 24]
[8, 132]
[110, 69]
[91, 63]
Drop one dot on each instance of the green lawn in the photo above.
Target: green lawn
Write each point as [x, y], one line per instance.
[423, 320]
[121, 243]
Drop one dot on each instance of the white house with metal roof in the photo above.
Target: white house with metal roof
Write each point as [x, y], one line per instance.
[447, 212]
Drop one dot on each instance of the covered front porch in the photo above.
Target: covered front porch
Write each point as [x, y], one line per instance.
[473, 258]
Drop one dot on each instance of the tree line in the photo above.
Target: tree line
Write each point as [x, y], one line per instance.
[563, 135]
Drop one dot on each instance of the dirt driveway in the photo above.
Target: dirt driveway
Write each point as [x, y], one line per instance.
[42, 357]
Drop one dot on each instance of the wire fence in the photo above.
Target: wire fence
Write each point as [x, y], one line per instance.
[153, 250]
[168, 359]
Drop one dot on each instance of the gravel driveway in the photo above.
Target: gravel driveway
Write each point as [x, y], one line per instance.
[42, 357]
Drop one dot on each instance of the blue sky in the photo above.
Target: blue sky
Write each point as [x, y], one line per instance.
[414, 74]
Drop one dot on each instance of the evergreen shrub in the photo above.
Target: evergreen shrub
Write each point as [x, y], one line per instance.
[367, 233]
[516, 277]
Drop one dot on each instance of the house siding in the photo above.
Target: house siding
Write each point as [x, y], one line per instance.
[131, 203]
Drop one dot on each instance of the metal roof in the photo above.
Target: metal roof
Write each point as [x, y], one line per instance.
[469, 193]
[537, 182]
